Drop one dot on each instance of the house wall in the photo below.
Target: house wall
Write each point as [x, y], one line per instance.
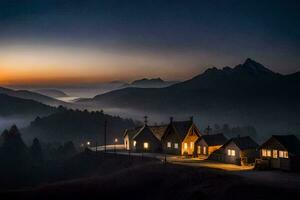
[172, 137]
[127, 143]
[188, 144]
[201, 144]
[248, 156]
[146, 136]
[232, 159]
[276, 163]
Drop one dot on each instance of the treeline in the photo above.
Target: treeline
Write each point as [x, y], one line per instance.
[27, 165]
[78, 126]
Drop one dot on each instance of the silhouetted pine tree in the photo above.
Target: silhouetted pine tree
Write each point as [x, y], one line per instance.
[13, 149]
[36, 152]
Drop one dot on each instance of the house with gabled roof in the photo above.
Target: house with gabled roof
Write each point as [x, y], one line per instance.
[238, 150]
[282, 152]
[207, 144]
[128, 135]
[144, 138]
[145, 141]
[180, 137]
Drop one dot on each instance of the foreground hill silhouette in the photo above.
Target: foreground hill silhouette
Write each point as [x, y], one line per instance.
[246, 94]
[121, 177]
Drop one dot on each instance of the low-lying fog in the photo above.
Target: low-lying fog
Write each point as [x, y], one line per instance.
[77, 91]
[20, 121]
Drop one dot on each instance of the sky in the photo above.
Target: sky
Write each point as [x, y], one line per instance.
[89, 41]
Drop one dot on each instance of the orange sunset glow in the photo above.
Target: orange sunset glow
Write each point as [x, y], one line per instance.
[24, 64]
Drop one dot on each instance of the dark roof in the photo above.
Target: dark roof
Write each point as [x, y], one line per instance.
[243, 143]
[144, 130]
[158, 131]
[290, 142]
[182, 127]
[215, 139]
[132, 132]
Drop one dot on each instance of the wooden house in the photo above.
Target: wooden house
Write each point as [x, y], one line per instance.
[207, 144]
[239, 151]
[145, 141]
[128, 135]
[180, 137]
[282, 152]
[145, 138]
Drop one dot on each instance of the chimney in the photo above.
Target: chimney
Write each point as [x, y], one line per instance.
[171, 119]
[192, 119]
[146, 120]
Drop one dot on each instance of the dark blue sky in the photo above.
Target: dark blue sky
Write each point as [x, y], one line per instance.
[219, 33]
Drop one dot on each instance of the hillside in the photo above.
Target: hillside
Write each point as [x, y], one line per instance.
[24, 94]
[78, 126]
[54, 93]
[12, 106]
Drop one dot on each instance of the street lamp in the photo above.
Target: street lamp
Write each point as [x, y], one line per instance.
[88, 143]
[115, 142]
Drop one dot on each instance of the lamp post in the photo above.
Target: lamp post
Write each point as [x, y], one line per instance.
[115, 143]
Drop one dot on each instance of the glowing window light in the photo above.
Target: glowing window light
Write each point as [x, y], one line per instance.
[134, 143]
[146, 145]
[269, 153]
[176, 145]
[169, 144]
[185, 146]
[231, 152]
[283, 154]
[199, 149]
[264, 152]
[275, 154]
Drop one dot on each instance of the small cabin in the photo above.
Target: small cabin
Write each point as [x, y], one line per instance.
[207, 144]
[282, 152]
[239, 151]
[128, 135]
[180, 137]
[145, 141]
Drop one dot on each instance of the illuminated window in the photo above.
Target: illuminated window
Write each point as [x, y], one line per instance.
[134, 143]
[264, 152]
[283, 154]
[204, 150]
[185, 146]
[176, 145]
[191, 145]
[275, 154]
[269, 153]
[231, 152]
[146, 145]
[199, 149]
[169, 144]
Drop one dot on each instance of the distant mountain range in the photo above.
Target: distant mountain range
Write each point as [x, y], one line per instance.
[247, 93]
[54, 93]
[25, 94]
[150, 83]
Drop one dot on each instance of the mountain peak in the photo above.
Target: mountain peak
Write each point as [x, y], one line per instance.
[254, 67]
